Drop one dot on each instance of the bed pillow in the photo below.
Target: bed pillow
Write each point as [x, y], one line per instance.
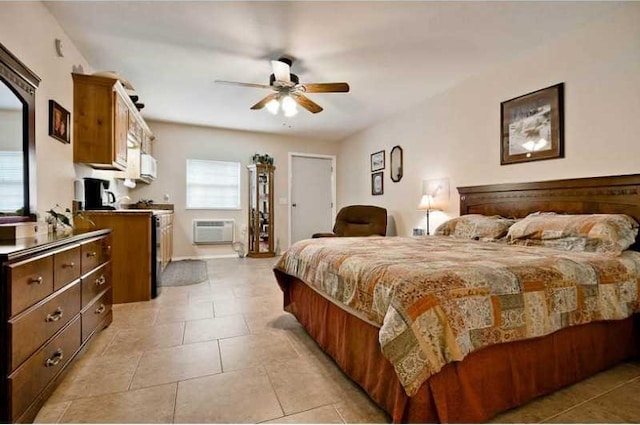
[604, 233]
[476, 226]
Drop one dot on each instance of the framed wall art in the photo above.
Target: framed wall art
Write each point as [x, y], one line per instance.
[377, 183]
[377, 161]
[59, 122]
[531, 126]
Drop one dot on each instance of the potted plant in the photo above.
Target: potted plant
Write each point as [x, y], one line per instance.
[262, 159]
[60, 220]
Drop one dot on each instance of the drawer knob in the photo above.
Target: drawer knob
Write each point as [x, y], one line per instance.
[69, 265]
[91, 254]
[57, 315]
[101, 309]
[55, 359]
[101, 280]
[37, 280]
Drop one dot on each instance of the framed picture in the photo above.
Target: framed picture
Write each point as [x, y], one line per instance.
[377, 183]
[59, 122]
[377, 161]
[532, 126]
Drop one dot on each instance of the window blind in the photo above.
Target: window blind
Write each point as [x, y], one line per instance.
[213, 184]
[11, 177]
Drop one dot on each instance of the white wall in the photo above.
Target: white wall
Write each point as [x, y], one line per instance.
[457, 134]
[28, 30]
[175, 143]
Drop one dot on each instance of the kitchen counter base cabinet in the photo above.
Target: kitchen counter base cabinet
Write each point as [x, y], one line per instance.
[141, 249]
[55, 297]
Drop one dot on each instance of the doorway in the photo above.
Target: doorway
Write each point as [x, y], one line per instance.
[312, 195]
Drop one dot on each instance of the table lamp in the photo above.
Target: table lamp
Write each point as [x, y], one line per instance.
[427, 205]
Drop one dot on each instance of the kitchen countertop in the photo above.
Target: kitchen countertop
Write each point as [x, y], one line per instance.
[130, 211]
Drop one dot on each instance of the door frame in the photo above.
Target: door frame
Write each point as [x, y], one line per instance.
[290, 180]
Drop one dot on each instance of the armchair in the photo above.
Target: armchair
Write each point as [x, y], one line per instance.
[358, 220]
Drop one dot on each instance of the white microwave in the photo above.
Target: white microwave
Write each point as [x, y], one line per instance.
[148, 166]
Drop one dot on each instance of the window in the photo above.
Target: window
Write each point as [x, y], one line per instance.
[11, 175]
[213, 185]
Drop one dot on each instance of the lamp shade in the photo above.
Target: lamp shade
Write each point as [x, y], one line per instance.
[426, 203]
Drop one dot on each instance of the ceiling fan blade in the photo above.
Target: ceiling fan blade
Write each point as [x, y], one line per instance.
[264, 101]
[235, 83]
[306, 103]
[326, 87]
[282, 71]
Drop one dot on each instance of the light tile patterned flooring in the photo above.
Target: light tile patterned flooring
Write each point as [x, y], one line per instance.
[223, 351]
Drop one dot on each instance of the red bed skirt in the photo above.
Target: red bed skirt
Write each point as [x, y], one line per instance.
[486, 382]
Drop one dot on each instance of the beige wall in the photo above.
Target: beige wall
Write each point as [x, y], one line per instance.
[175, 143]
[457, 133]
[28, 30]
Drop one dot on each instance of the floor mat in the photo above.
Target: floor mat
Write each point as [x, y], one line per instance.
[184, 272]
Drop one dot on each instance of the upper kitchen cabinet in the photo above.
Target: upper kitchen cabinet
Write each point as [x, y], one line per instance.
[105, 122]
[139, 148]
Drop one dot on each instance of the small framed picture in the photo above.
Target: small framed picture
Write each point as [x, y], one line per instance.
[59, 122]
[532, 126]
[377, 183]
[377, 161]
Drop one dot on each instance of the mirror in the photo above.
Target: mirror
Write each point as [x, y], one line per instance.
[11, 153]
[17, 138]
[396, 164]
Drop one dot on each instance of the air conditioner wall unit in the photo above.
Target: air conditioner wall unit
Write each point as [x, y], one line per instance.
[213, 231]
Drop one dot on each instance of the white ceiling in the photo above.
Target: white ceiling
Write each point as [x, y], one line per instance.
[393, 54]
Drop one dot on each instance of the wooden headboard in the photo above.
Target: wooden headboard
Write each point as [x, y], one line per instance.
[607, 195]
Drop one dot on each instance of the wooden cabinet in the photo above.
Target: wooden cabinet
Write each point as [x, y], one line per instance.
[121, 135]
[106, 124]
[134, 255]
[147, 141]
[261, 243]
[48, 318]
[100, 122]
[139, 137]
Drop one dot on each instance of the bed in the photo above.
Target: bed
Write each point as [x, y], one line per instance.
[495, 375]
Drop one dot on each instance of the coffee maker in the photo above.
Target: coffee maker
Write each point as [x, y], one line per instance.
[95, 196]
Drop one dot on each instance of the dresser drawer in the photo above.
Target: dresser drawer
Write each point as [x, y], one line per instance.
[66, 266]
[95, 283]
[29, 282]
[95, 252]
[95, 313]
[29, 330]
[34, 375]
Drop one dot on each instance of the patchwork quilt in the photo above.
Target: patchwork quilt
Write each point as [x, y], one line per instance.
[436, 298]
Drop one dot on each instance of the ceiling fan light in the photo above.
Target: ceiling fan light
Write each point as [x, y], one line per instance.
[289, 106]
[273, 106]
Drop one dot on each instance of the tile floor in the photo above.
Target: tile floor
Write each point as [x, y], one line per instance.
[223, 351]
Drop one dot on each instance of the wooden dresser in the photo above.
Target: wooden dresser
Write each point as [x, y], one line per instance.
[55, 295]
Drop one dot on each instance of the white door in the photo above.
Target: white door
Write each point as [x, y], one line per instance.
[311, 202]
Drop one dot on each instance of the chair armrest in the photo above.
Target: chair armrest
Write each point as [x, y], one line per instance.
[324, 235]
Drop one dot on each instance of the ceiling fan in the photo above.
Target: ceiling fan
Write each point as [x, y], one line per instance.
[288, 91]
